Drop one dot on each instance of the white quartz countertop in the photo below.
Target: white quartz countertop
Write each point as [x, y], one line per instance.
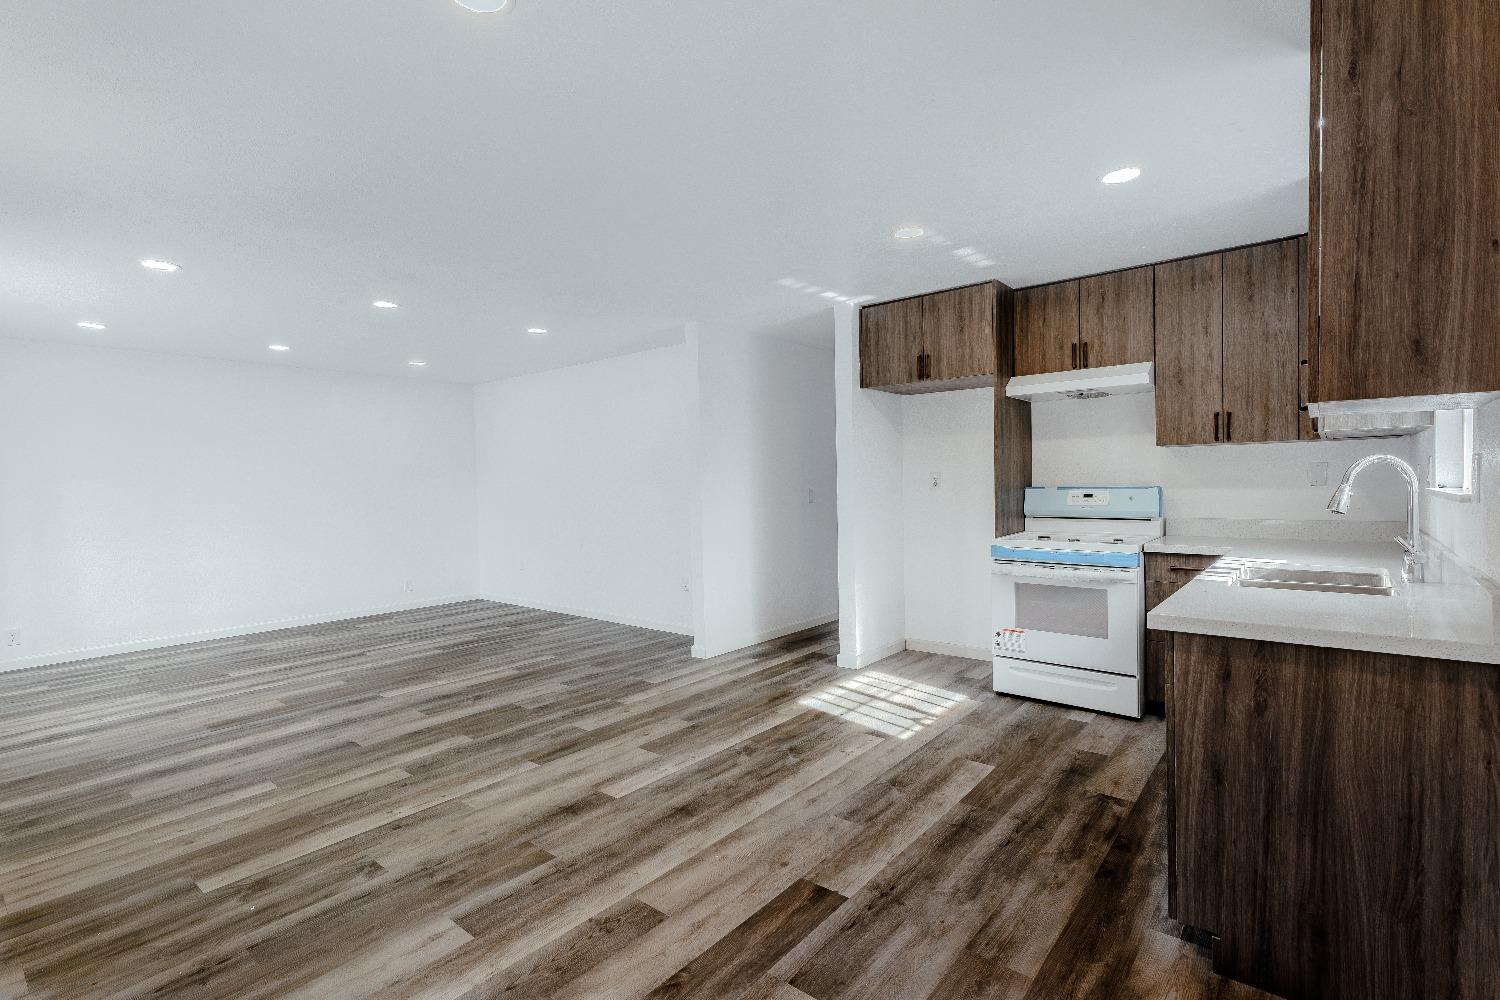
[1453, 615]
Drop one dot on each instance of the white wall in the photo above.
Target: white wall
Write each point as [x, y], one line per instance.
[949, 436]
[1470, 529]
[766, 529]
[1112, 442]
[147, 498]
[584, 489]
[871, 559]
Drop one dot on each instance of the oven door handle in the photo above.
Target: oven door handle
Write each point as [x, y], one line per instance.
[1082, 576]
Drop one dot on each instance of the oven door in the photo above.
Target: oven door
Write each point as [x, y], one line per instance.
[1077, 616]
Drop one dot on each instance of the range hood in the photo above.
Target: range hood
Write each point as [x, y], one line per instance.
[1395, 417]
[1086, 383]
[1371, 424]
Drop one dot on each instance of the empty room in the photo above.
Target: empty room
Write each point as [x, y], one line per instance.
[549, 500]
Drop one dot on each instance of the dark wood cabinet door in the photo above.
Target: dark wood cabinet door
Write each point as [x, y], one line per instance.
[958, 331]
[890, 342]
[1189, 351]
[1116, 325]
[1260, 343]
[1047, 328]
[1306, 428]
[1407, 221]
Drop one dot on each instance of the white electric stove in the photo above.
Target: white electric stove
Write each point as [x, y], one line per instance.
[1068, 597]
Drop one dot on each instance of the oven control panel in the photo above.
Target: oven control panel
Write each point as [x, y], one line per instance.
[1010, 642]
[1087, 498]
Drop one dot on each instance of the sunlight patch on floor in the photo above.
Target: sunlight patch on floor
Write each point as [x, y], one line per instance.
[891, 705]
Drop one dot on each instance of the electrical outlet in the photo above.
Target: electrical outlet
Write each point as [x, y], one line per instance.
[12, 637]
[1317, 474]
[410, 587]
[937, 479]
[686, 587]
[811, 497]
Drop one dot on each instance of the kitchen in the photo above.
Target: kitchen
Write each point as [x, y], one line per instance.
[1178, 448]
[844, 501]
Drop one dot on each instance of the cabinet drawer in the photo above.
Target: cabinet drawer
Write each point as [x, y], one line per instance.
[1165, 567]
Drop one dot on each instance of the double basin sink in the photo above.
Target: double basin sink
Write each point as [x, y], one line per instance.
[1372, 582]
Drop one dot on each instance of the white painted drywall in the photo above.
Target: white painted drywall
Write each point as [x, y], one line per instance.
[1470, 529]
[1112, 442]
[948, 436]
[766, 526]
[584, 489]
[871, 544]
[151, 498]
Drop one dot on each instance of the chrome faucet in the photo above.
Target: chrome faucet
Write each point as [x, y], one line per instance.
[1412, 541]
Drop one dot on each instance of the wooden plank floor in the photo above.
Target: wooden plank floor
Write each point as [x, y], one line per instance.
[482, 801]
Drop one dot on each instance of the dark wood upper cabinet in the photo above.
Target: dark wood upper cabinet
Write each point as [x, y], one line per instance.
[1260, 343]
[929, 343]
[1116, 322]
[890, 343]
[958, 329]
[1405, 257]
[1047, 328]
[1190, 350]
[1307, 429]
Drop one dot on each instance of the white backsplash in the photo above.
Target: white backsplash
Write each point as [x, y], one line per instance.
[1112, 442]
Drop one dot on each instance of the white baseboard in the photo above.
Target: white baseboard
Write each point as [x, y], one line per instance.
[948, 649]
[675, 628]
[706, 652]
[207, 635]
[858, 661]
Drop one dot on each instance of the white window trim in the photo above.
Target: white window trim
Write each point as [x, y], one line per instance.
[1458, 494]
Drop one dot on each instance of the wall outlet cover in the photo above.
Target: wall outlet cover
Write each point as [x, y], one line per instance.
[12, 636]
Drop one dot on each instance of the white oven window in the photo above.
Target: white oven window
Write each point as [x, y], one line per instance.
[1081, 611]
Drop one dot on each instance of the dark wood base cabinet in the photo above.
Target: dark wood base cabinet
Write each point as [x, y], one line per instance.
[1336, 818]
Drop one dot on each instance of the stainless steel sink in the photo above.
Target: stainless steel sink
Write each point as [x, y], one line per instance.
[1374, 582]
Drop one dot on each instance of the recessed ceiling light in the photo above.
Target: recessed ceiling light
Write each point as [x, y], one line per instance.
[538, 331]
[417, 364]
[385, 304]
[910, 233]
[89, 324]
[152, 264]
[488, 6]
[1122, 176]
[280, 347]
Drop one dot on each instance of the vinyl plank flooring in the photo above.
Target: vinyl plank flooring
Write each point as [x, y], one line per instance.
[481, 801]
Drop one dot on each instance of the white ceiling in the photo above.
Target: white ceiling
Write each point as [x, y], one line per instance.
[609, 171]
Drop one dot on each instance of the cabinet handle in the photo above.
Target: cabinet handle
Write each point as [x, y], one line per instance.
[1085, 354]
[1216, 425]
[920, 375]
[1228, 425]
[1073, 355]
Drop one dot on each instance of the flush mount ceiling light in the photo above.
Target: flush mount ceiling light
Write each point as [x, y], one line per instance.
[89, 324]
[1122, 176]
[910, 233]
[166, 266]
[538, 331]
[488, 6]
[385, 304]
[279, 347]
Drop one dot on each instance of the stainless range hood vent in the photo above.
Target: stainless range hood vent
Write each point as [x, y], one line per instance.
[1370, 424]
[1086, 383]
